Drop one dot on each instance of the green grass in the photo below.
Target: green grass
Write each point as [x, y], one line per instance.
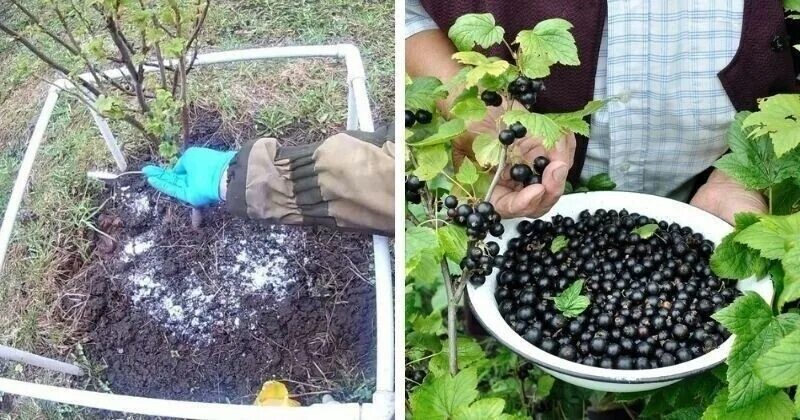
[281, 98]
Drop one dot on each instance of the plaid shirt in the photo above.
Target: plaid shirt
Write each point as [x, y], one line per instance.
[661, 58]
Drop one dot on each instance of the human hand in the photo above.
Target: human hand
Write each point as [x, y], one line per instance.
[512, 199]
[724, 197]
[196, 177]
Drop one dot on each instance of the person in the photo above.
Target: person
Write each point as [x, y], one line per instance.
[345, 181]
[680, 71]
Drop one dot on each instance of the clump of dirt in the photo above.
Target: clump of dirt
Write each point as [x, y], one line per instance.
[210, 314]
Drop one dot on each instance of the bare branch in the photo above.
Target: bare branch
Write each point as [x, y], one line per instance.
[42, 56]
[71, 48]
[127, 59]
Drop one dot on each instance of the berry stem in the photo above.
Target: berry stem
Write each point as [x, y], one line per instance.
[452, 344]
[500, 167]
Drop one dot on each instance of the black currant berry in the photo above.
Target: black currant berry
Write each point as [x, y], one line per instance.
[491, 98]
[411, 119]
[507, 137]
[521, 173]
[424, 117]
[540, 163]
[519, 130]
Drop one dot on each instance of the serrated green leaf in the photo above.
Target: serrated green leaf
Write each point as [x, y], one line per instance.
[469, 109]
[430, 325]
[467, 173]
[686, 413]
[441, 397]
[646, 231]
[483, 409]
[779, 117]
[772, 236]
[746, 316]
[495, 68]
[732, 260]
[601, 182]
[470, 355]
[445, 133]
[538, 125]
[559, 243]
[777, 406]
[173, 48]
[423, 93]
[471, 58]
[551, 40]
[780, 366]
[791, 278]
[786, 197]
[534, 66]
[488, 150]
[431, 161]
[544, 384]
[422, 249]
[570, 302]
[475, 29]
[453, 241]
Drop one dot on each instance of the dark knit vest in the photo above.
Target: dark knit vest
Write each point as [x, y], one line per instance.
[757, 70]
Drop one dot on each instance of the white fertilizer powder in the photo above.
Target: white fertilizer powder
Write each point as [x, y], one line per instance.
[209, 298]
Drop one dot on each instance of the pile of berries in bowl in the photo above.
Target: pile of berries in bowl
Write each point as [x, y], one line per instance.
[610, 290]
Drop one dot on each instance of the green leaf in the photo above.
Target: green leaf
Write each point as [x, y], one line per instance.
[601, 182]
[487, 408]
[471, 58]
[646, 231]
[786, 197]
[467, 173]
[469, 109]
[423, 93]
[453, 241]
[750, 318]
[495, 68]
[446, 132]
[533, 66]
[570, 302]
[470, 355]
[550, 40]
[777, 406]
[732, 260]
[576, 121]
[791, 5]
[421, 244]
[429, 325]
[772, 236]
[778, 117]
[780, 366]
[431, 161]
[110, 107]
[475, 29]
[443, 396]
[538, 125]
[488, 150]
[559, 243]
[686, 413]
[173, 48]
[746, 316]
[544, 385]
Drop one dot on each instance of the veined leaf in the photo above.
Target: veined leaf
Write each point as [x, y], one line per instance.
[570, 302]
[488, 150]
[423, 92]
[779, 117]
[475, 29]
[550, 39]
[538, 125]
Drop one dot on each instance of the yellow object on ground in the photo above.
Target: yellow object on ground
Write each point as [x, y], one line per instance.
[275, 394]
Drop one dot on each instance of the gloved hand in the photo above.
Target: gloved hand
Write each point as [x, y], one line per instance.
[196, 177]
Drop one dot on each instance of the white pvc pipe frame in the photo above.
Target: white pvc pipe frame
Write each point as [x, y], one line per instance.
[359, 116]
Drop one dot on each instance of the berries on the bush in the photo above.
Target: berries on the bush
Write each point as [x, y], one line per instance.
[411, 118]
[507, 137]
[424, 117]
[413, 187]
[540, 163]
[491, 98]
[645, 310]
[519, 130]
[525, 90]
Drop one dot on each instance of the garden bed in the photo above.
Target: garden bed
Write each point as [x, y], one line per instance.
[210, 314]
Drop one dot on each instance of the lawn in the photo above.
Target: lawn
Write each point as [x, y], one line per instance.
[52, 241]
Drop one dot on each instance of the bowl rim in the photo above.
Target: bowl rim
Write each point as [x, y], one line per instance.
[616, 376]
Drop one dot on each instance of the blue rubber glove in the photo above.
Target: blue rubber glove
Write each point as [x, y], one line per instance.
[195, 179]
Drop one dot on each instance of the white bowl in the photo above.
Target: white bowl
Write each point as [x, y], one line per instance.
[484, 304]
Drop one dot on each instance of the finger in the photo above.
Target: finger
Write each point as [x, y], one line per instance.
[554, 179]
[152, 170]
[169, 183]
[522, 203]
[180, 166]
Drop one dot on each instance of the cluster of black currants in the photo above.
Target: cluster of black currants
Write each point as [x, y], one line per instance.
[509, 135]
[413, 187]
[527, 175]
[421, 116]
[651, 299]
[525, 90]
[479, 219]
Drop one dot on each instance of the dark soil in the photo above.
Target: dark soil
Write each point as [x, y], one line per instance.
[210, 314]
